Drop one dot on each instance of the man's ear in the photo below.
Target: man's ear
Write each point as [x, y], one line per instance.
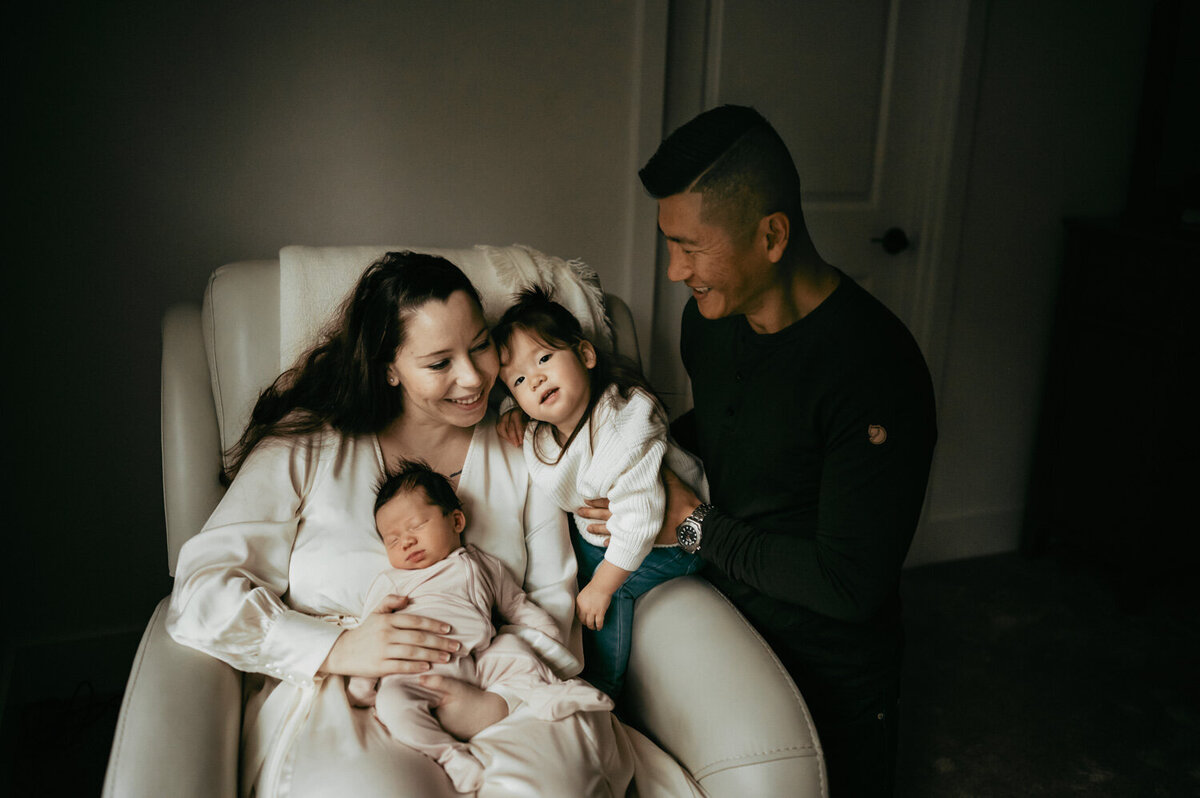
[460, 521]
[587, 354]
[776, 228]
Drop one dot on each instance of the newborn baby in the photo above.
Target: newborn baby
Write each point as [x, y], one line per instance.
[421, 521]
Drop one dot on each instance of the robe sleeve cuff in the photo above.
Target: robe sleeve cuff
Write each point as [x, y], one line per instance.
[296, 645]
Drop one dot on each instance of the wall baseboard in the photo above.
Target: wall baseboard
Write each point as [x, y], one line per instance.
[963, 536]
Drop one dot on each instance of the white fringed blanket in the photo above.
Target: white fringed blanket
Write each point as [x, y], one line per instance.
[314, 281]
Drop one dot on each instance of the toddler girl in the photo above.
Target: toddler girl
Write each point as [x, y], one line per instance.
[421, 520]
[596, 431]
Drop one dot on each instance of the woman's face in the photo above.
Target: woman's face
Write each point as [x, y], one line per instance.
[447, 364]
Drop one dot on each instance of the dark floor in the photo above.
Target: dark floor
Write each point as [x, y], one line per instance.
[1023, 678]
[60, 747]
[1028, 678]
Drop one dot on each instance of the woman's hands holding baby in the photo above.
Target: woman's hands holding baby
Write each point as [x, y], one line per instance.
[389, 641]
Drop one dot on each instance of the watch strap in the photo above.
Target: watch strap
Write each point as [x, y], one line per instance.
[698, 514]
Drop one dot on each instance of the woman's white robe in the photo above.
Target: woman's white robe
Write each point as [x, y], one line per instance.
[289, 554]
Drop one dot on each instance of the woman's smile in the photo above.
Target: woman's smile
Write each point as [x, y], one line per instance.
[470, 403]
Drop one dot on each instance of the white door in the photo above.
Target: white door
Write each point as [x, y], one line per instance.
[866, 94]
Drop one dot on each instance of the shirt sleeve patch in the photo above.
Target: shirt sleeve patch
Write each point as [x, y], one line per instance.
[876, 434]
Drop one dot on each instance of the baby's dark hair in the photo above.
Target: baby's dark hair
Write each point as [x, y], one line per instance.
[535, 312]
[411, 475]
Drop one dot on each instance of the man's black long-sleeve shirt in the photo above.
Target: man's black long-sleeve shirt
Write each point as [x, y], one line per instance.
[817, 442]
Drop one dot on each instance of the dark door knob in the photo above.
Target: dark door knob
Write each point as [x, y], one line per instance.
[894, 240]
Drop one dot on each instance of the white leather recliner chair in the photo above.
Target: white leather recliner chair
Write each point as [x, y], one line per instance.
[701, 682]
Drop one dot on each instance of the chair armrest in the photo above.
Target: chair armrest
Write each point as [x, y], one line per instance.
[705, 686]
[191, 441]
[180, 722]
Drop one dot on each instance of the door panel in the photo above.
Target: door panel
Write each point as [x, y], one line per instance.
[814, 69]
[824, 73]
[867, 95]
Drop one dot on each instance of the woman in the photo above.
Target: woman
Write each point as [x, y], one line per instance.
[274, 583]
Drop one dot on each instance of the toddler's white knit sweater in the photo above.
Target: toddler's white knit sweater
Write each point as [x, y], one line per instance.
[617, 455]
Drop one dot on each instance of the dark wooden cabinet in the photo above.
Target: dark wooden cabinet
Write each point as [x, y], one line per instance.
[1115, 477]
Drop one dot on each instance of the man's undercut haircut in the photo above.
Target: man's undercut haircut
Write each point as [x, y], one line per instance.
[411, 475]
[735, 160]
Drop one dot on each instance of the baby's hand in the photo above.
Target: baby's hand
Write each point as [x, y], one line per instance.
[591, 606]
[511, 426]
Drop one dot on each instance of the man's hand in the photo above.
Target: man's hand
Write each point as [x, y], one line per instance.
[596, 510]
[681, 501]
[511, 426]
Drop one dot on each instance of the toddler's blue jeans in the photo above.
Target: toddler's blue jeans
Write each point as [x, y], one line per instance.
[606, 651]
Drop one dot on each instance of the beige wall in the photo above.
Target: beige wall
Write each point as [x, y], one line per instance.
[151, 144]
[155, 142]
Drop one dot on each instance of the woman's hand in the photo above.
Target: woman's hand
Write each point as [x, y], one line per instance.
[681, 501]
[592, 605]
[511, 426]
[388, 642]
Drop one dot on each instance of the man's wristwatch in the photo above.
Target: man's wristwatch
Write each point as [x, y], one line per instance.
[692, 529]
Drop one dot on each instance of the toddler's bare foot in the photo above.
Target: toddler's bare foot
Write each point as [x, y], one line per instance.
[465, 710]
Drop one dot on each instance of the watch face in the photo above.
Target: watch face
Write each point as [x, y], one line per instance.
[687, 534]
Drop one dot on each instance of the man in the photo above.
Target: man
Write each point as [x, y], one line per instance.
[814, 416]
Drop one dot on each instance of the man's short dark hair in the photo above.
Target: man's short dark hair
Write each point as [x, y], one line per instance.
[737, 162]
[413, 475]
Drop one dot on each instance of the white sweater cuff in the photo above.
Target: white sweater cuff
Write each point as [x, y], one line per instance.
[627, 558]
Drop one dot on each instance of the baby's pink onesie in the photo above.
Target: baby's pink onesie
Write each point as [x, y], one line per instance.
[462, 590]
